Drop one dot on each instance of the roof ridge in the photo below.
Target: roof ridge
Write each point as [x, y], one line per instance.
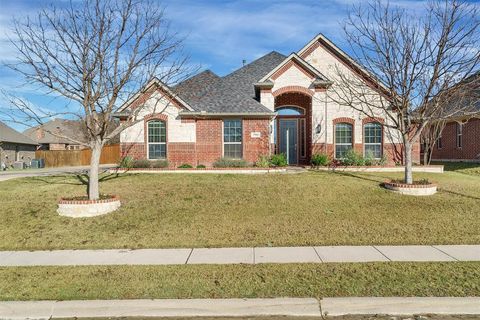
[252, 62]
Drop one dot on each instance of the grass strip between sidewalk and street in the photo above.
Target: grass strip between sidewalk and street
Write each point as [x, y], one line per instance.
[456, 279]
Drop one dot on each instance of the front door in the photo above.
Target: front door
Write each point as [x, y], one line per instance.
[288, 129]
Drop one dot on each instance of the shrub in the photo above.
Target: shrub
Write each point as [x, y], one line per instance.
[230, 163]
[415, 182]
[159, 164]
[353, 158]
[320, 159]
[383, 160]
[263, 162]
[126, 162]
[370, 159]
[141, 163]
[279, 160]
[201, 166]
[185, 166]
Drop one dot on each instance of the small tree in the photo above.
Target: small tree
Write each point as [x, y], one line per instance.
[95, 54]
[418, 64]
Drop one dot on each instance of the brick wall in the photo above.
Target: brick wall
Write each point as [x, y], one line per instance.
[255, 147]
[392, 151]
[134, 150]
[209, 145]
[179, 153]
[209, 141]
[470, 149]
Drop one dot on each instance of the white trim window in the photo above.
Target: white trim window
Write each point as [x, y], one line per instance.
[459, 135]
[372, 140]
[232, 139]
[343, 139]
[157, 139]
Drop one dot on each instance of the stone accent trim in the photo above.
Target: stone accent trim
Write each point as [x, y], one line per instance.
[290, 89]
[148, 93]
[287, 66]
[369, 120]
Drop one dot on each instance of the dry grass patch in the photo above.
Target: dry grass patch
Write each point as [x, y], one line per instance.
[241, 281]
[188, 210]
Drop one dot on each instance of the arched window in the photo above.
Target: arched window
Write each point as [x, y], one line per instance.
[290, 111]
[372, 140]
[157, 139]
[343, 139]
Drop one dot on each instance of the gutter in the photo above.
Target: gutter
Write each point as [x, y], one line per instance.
[204, 114]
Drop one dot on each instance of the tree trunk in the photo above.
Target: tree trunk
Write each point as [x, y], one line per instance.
[408, 161]
[426, 153]
[93, 190]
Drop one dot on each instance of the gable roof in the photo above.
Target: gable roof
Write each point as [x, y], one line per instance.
[69, 128]
[244, 77]
[210, 93]
[358, 68]
[8, 134]
[302, 63]
[147, 88]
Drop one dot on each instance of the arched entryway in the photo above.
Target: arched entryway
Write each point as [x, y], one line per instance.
[293, 126]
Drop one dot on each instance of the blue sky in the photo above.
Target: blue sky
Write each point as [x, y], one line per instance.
[219, 34]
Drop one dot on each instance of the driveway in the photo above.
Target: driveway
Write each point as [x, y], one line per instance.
[8, 175]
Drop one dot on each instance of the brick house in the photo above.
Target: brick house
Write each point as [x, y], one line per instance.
[459, 141]
[42, 134]
[15, 146]
[460, 138]
[275, 104]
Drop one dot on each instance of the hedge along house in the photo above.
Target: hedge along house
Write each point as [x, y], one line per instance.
[276, 104]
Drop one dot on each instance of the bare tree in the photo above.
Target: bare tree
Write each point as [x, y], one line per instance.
[415, 63]
[96, 54]
[431, 135]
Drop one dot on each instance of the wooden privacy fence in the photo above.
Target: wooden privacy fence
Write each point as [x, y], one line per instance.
[65, 158]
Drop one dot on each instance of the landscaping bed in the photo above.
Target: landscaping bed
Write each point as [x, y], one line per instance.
[81, 206]
[252, 170]
[456, 279]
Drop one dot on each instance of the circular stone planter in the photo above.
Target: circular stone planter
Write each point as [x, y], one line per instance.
[87, 208]
[412, 189]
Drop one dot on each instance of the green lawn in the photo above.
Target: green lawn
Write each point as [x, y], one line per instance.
[241, 281]
[188, 210]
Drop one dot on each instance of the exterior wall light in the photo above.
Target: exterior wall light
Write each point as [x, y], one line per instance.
[318, 129]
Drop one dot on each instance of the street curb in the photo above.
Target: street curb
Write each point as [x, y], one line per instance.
[159, 308]
[240, 307]
[401, 306]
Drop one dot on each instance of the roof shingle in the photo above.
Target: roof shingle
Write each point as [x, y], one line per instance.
[8, 134]
[233, 93]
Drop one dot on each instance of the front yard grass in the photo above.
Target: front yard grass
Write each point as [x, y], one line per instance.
[188, 210]
[241, 281]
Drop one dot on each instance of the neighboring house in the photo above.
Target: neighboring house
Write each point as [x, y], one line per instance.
[15, 146]
[276, 104]
[45, 135]
[460, 139]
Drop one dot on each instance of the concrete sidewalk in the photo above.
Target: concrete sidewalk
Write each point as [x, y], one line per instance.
[14, 174]
[239, 307]
[252, 255]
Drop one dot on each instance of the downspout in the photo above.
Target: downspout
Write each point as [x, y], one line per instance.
[326, 123]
